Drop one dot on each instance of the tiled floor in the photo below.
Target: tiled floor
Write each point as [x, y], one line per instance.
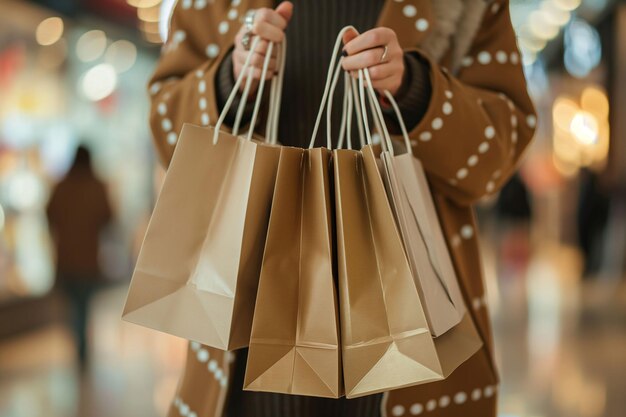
[561, 346]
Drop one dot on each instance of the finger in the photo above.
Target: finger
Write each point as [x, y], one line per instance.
[383, 71]
[285, 9]
[258, 60]
[268, 32]
[349, 35]
[370, 39]
[257, 72]
[270, 16]
[384, 84]
[364, 59]
[261, 48]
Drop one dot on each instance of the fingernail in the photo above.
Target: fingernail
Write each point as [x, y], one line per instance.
[344, 53]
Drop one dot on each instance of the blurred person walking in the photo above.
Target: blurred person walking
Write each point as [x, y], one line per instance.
[455, 71]
[77, 212]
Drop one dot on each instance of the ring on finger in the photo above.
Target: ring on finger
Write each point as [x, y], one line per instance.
[248, 22]
[384, 55]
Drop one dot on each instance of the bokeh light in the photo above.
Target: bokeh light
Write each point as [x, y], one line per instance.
[49, 31]
[121, 55]
[99, 82]
[91, 45]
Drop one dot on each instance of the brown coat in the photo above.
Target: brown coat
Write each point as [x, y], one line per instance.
[480, 120]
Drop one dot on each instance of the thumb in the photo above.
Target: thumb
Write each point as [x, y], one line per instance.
[285, 9]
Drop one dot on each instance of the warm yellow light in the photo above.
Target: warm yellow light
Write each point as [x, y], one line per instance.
[149, 28]
[531, 43]
[595, 101]
[563, 111]
[584, 127]
[566, 4]
[555, 14]
[541, 26]
[143, 3]
[49, 31]
[150, 14]
[91, 45]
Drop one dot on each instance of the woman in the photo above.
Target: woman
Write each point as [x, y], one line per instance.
[455, 70]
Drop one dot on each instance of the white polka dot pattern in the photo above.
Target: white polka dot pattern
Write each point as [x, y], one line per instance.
[416, 409]
[409, 10]
[422, 25]
[425, 136]
[223, 27]
[397, 411]
[183, 408]
[155, 88]
[486, 58]
[212, 50]
[444, 401]
[467, 231]
[490, 132]
[460, 397]
[431, 405]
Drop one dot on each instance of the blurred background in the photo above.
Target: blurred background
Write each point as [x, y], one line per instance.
[73, 72]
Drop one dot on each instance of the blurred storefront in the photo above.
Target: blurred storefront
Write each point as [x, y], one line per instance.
[75, 72]
[64, 81]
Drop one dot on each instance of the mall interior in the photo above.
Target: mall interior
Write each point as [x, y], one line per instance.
[74, 72]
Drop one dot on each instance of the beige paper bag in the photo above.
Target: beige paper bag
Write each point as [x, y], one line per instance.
[197, 272]
[294, 346]
[424, 241]
[385, 337]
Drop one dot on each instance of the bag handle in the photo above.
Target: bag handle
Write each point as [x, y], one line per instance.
[271, 127]
[378, 114]
[245, 68]
[330, 77]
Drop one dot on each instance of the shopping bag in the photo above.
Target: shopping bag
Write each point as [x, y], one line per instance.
[385, 336]
[461, 340]
[294, 346]
[197, 272]
[424, 241]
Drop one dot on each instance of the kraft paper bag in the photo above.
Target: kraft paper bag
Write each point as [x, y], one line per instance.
[295, 346]
[385, 336]
[424, 241]
[197, 272]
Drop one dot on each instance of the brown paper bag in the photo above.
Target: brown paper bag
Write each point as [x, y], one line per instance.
[424, 242]
[197, 272]
[385, 337]
[294, 346]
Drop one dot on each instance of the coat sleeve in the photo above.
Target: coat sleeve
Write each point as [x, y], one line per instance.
[480, 120]
[182, 89]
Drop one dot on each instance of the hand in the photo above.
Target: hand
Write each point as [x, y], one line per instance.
[366, 50]
[270, 26]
